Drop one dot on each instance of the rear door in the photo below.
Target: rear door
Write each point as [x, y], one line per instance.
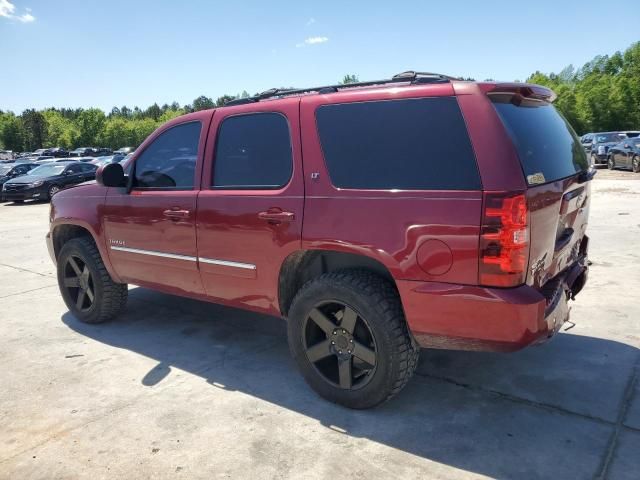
[556, 171]
[251, 202]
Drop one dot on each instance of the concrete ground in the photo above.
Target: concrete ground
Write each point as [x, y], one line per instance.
[181, 389]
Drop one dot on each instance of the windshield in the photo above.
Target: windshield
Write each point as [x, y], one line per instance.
[608, 137]
[47, 170]
[547, 146]
[5, 169]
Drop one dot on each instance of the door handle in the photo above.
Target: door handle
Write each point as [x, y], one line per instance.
[276, 216]
[176, 214]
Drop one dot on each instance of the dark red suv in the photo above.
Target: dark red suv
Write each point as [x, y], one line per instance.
[376, 218]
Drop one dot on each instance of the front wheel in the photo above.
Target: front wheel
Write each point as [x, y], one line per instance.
[86, 286]
[635, 164]
[594, 160]
[53, 189]
[611, 164]
[349, 337]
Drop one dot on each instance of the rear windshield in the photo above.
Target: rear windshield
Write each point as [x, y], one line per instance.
[609, 137]
[547, 145]
[413, 144]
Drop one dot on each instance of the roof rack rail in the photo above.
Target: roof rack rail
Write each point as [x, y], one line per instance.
[409, 76]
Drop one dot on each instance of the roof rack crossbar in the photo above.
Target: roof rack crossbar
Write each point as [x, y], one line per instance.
[409, 76]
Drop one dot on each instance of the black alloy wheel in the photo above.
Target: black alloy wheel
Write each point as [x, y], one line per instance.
[339, 343]
[79, 283]
[611, 164]
[635, 164]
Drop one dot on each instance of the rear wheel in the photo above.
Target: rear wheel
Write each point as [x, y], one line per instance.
[635, 164]
[86, 287]
[348, 335]
[611, 164]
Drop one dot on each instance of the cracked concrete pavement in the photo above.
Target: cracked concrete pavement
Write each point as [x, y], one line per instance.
[178, 388]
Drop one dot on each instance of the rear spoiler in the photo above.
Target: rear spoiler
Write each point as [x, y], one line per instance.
[526, 90]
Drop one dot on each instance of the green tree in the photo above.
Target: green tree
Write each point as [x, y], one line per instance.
[203, 103]
[90, 123]
[34, 128]
[349, 79]
[11, 132]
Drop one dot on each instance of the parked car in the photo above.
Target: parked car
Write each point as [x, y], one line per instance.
[58, 152]
[124, 151]
[6, 155]
[631, 133]
[586, 140]
[602, 141]
[116, 158]
[83, 152]
[34, 158]
[45, 181]
[625, 154]
[425, 212]
[12, 170]
[78, 159]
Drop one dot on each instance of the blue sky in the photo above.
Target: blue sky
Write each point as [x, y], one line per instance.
[103, 53]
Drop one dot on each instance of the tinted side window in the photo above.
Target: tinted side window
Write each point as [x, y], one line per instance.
[74, 169]
[414, 144]
[253, 151]
[170, 161]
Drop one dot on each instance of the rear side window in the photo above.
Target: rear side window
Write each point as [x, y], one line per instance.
[414, 144]
[169, 162]
[547, 146]
[253, 151]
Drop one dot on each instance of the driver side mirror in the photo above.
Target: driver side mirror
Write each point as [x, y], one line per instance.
[111, 175]
[626, 145]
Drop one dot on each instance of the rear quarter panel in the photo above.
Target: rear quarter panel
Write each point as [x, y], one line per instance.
[389, 226]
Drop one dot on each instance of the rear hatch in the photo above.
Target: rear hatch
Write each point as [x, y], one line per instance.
[556, 171]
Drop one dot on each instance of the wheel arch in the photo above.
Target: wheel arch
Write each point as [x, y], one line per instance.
[303, 265]
[61, 233]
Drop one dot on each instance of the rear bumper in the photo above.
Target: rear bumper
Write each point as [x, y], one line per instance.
[461, 317]
[600, 157]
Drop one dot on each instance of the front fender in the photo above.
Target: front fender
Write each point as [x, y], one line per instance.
[81, 207]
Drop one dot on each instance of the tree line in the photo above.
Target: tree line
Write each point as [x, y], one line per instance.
[602, 95]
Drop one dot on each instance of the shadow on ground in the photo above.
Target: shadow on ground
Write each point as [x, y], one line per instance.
[545, 412]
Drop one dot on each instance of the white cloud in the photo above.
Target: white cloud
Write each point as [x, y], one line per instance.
[310, 22]
[7, 10]
[312, 41]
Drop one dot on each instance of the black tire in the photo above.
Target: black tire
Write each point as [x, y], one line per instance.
[380, 319]
[594, 160]
[611, 163]
[635, 164]
[109, 297]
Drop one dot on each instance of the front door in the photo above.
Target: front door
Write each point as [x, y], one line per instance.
[150, 231]
[251, 202]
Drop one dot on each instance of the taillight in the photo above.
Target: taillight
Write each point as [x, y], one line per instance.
[504, 240]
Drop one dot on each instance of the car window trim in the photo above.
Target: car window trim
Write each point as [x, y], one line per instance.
[132, 173]
[251, 187]
[397, 190]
